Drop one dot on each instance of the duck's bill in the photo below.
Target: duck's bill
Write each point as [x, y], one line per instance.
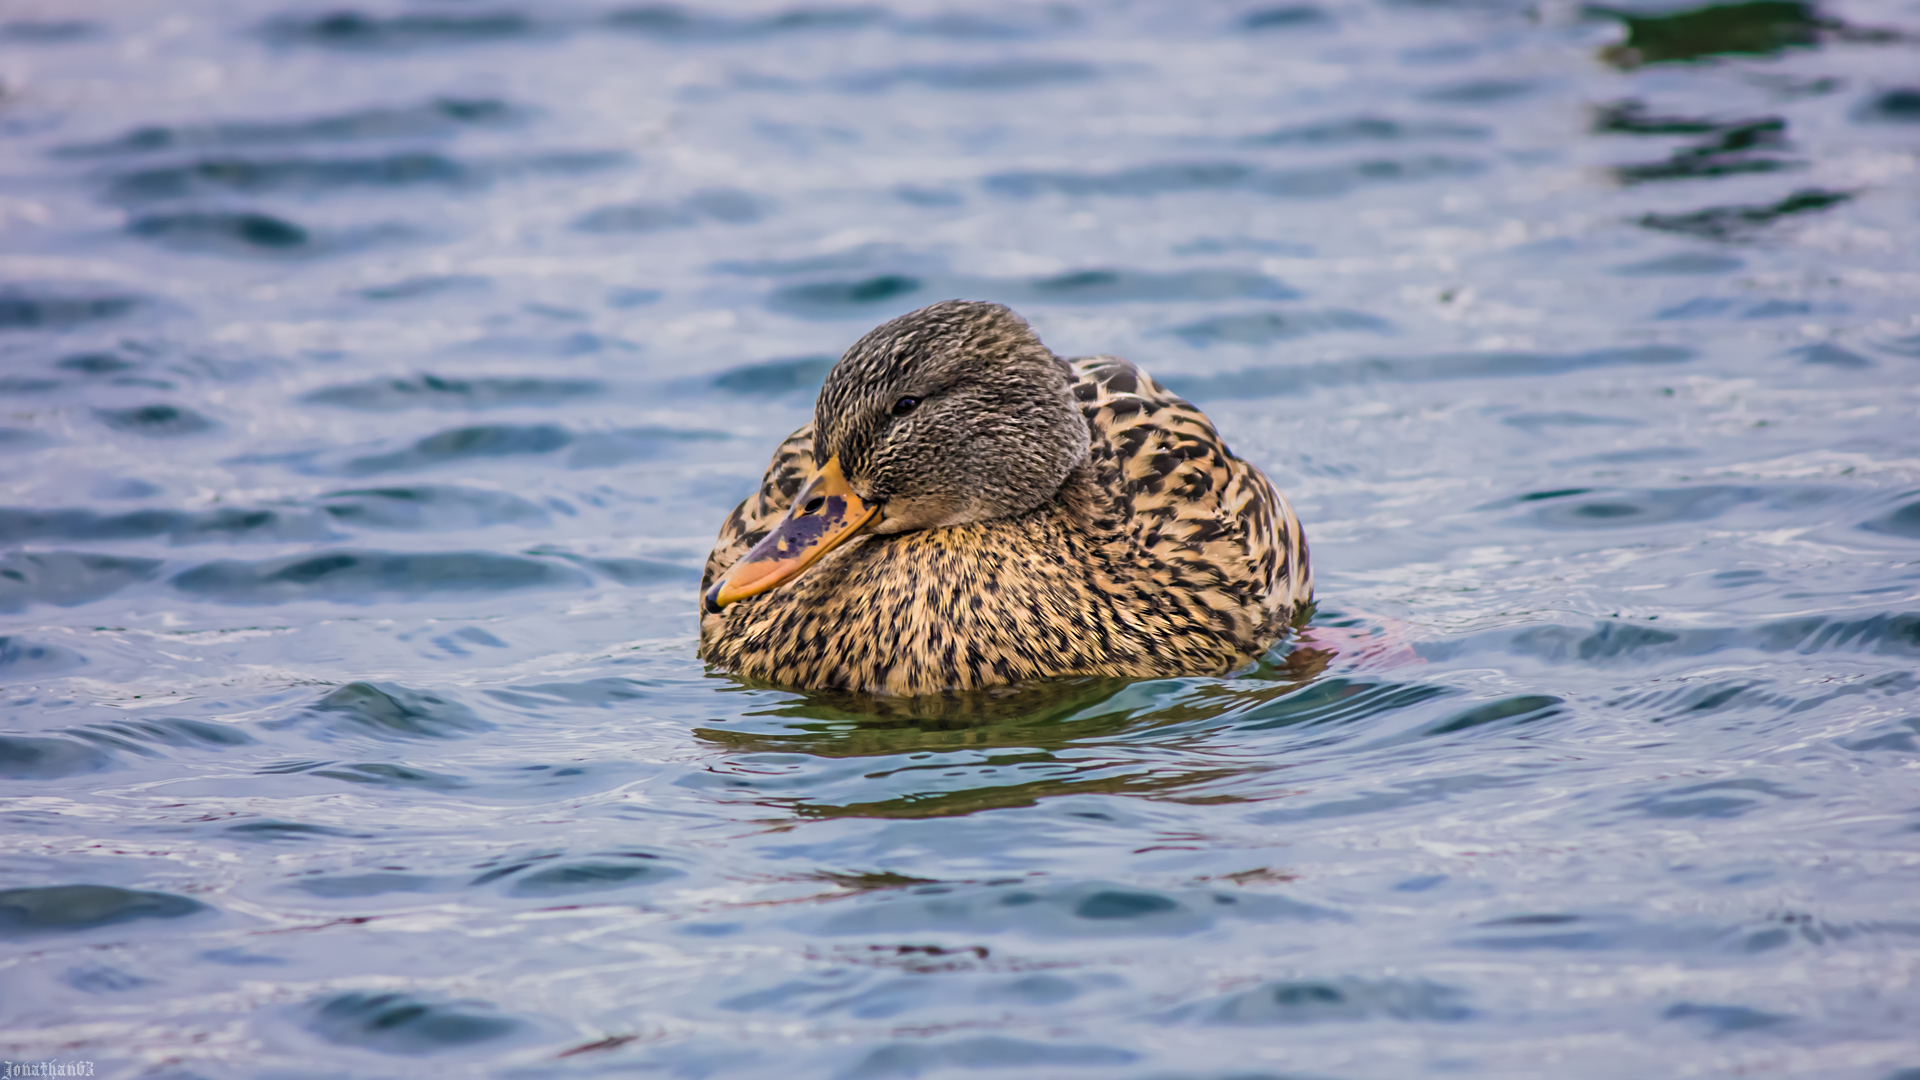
[825, 515]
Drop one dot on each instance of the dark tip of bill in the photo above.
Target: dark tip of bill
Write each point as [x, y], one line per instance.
[710, 600]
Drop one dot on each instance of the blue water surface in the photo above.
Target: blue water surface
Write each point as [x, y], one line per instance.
[376, 374]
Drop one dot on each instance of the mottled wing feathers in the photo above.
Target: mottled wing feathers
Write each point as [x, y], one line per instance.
[1183, 495]
[792, 466]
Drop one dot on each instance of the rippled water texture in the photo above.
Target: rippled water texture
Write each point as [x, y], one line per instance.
[377, 375]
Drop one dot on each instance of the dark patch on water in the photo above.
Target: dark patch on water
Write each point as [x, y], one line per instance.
[982, 1052]
[1631, 117]
[625, 298]
[839, 992]
[728, 206]
[103, 980]
[1329, 701]
[429, 507]
[1011, 74]
[843, 299]
[1176, 177]
[1894, 634]
[593, 693]
[1905, 346]
[1700, 307]
[428, 285]
[46, 32]
[676, 23]
[1366, 129]
[1827, 354]
[1662, 506]
[1096, 285]
[403, 1024]
[305, 176]
[1480, 91]
[387, 774]
[1102, 286]
[156, 421]
[25, 757]
[1399, 797]
[356, 886]
[1057, 911]
[436, 392]
[240, 958]
[599, 876]
[1684, 262]
[1536, 422]
[1900, 105]
[21, 658]
[1300, 1001]
[222, 232]
[1261, 327]
[1521, 709]
[103, 363]
[632, 571]
[1902, 521]
[269, 831]
[1272, 381]
[14, 384]
[67, 578]
[1711, 800]
[349, 29]
[141, 736]
[864, 257]
[1746, 146]
[19, 524]
[1284, 17]
[435, 118]
[1725, 1019]
[55, 909]
[363, 577]
[1754, 28]
[464, 444]
[28, 308]
[1022, 22]
[1893, 738]
[776, 376]
[390, 711]
[15, 440]
[1732, 223]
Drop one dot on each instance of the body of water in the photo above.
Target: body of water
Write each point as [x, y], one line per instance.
[375, 379]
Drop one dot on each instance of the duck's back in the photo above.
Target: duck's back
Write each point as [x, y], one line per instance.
[1164, 555]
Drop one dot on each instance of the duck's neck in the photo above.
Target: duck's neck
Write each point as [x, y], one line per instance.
[1081, 503]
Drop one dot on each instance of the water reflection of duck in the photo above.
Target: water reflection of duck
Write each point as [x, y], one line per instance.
[968, 509]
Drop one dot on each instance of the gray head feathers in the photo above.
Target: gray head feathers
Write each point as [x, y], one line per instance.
[950, 414]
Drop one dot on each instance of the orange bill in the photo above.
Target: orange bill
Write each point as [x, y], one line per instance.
[824, 515]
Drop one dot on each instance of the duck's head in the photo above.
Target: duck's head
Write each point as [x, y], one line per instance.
[951, 414]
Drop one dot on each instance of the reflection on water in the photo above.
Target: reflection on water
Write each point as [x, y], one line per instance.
[376, 376]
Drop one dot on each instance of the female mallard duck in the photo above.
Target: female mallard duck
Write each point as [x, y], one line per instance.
[968, 509]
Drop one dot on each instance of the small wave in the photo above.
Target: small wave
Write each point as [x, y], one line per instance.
[28, 308]
[1276, 380]
[55, 909]
[404, 1024]
[359, 577]
[348, 29]
[67, 578]
[389, 711]
[437, 392]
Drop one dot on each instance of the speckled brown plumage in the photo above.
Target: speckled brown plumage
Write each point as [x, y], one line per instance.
[1160, 554]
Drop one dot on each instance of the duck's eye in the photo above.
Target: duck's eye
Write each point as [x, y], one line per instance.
[814, 504]
[905, 405]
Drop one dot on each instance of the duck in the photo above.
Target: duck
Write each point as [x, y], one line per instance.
[966, 510]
